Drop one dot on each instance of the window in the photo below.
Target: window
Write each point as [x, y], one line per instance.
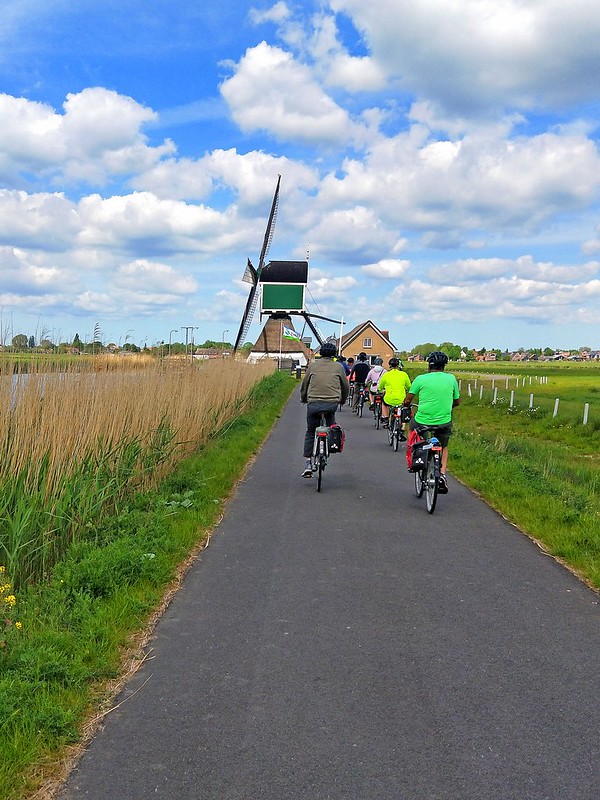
[367, 342]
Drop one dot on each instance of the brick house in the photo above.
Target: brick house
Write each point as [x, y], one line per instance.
[368, 338]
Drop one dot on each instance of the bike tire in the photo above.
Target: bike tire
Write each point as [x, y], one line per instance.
[360, 408]
[431, 485]
[396, 436]
[320, 469]
[390, 431]
[377, 420]
[419, 483]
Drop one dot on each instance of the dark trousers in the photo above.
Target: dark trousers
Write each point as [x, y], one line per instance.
[313, 420]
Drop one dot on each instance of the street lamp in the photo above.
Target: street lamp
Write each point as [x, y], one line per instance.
[223, 339]
[170, 334]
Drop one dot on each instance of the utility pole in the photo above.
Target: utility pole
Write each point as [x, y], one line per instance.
[187, 329]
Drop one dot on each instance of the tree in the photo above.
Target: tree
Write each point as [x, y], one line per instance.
[31, 342]
[19, 342]
[77, 342]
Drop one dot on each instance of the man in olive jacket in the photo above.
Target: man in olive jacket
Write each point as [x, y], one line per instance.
[324, 387]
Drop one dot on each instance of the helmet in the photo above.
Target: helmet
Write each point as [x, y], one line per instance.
[437, 359]
[328, 350]
[362, 356]
[393, 363]
[378, 361]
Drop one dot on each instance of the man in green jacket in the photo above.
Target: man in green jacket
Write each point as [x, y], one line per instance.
[324, 387]
[437, 394]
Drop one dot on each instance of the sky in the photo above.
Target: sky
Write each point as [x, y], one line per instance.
[439, 167]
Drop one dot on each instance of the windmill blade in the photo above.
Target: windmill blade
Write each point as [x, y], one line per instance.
[252, 275]
[270, 228]
[247, 317]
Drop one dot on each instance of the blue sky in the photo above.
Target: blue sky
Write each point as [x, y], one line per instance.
[439, 160]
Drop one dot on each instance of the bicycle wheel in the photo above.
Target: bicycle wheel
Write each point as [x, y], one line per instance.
[390, 430]
[431, 485]
[396, 434]
[321, 462]
[377, 417]
[420, 482]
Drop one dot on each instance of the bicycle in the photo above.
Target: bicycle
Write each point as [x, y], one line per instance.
[362, 396]
[395, 433]
[377, 401]
[351, 395]
[427, 462]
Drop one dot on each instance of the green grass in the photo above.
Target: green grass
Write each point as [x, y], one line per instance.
[79, 623]
[541, 472]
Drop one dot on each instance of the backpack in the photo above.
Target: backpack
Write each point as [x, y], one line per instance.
[337, 437]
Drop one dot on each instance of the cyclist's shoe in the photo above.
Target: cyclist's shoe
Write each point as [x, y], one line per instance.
[442, 485]
[307, 473]
[385, 423]
[372, 407]
[402, 437]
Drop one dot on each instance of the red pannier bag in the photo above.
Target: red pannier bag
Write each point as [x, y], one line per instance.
[413, 439]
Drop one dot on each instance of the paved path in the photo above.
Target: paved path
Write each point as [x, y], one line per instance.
[349, 646]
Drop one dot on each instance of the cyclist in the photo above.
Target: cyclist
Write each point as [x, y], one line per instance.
[324, 387]
[437, 394]
[373, 377]
[394, 384]
[358, 375]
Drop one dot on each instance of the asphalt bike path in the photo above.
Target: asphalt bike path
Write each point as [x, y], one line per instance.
[346, 645]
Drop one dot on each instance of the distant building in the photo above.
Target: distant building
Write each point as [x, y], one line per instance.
[368, 338]
[273, 343]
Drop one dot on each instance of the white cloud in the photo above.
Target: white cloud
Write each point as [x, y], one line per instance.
[387, 268]
[473, 57]
[277, 13]
[98, 135]
[271, 92]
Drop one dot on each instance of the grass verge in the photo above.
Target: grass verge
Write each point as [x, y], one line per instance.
[81, 630]
[550, 490]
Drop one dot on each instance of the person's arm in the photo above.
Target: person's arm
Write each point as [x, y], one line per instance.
[408, 399]
[456, 402]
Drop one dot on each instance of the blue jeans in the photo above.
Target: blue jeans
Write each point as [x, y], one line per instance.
[313, 420]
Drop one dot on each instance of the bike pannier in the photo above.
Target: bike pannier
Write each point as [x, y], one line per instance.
[414, 442]
[336, 439]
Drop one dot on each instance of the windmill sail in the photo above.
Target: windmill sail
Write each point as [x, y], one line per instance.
[252, 275]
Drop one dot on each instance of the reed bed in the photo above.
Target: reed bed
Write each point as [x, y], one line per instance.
[75, 442]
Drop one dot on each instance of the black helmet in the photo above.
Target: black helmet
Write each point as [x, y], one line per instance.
[393, 363]
[362, 356]
[328, 350]
[437, 359]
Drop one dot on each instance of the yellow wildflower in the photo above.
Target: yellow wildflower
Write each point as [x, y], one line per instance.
[10, 599]
[18, 625]
[2, 569]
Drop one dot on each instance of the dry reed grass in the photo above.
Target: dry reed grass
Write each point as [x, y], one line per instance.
[75, 443]
[63, 415]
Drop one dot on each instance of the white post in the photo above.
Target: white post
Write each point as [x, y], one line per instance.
[507, 383]
[512, 398]
[469, 390]
[475, 382]
[556, 402]
[460, 384]
[530, 379]
[481, 392]
[531, 401]
[586, 411]
[493, 383]
[495, 400]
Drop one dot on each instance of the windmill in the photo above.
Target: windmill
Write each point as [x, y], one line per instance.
[280, 285]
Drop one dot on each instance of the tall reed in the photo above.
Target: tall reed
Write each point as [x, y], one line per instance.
[74, 443]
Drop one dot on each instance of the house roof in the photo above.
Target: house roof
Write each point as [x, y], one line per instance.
[271, 341]
[349, 337]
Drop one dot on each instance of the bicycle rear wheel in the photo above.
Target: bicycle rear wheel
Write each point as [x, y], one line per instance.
[320, 471]
[396, 434]
[390, 431]
[431, 485]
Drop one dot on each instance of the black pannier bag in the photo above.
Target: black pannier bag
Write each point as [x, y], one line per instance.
[336, 439]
